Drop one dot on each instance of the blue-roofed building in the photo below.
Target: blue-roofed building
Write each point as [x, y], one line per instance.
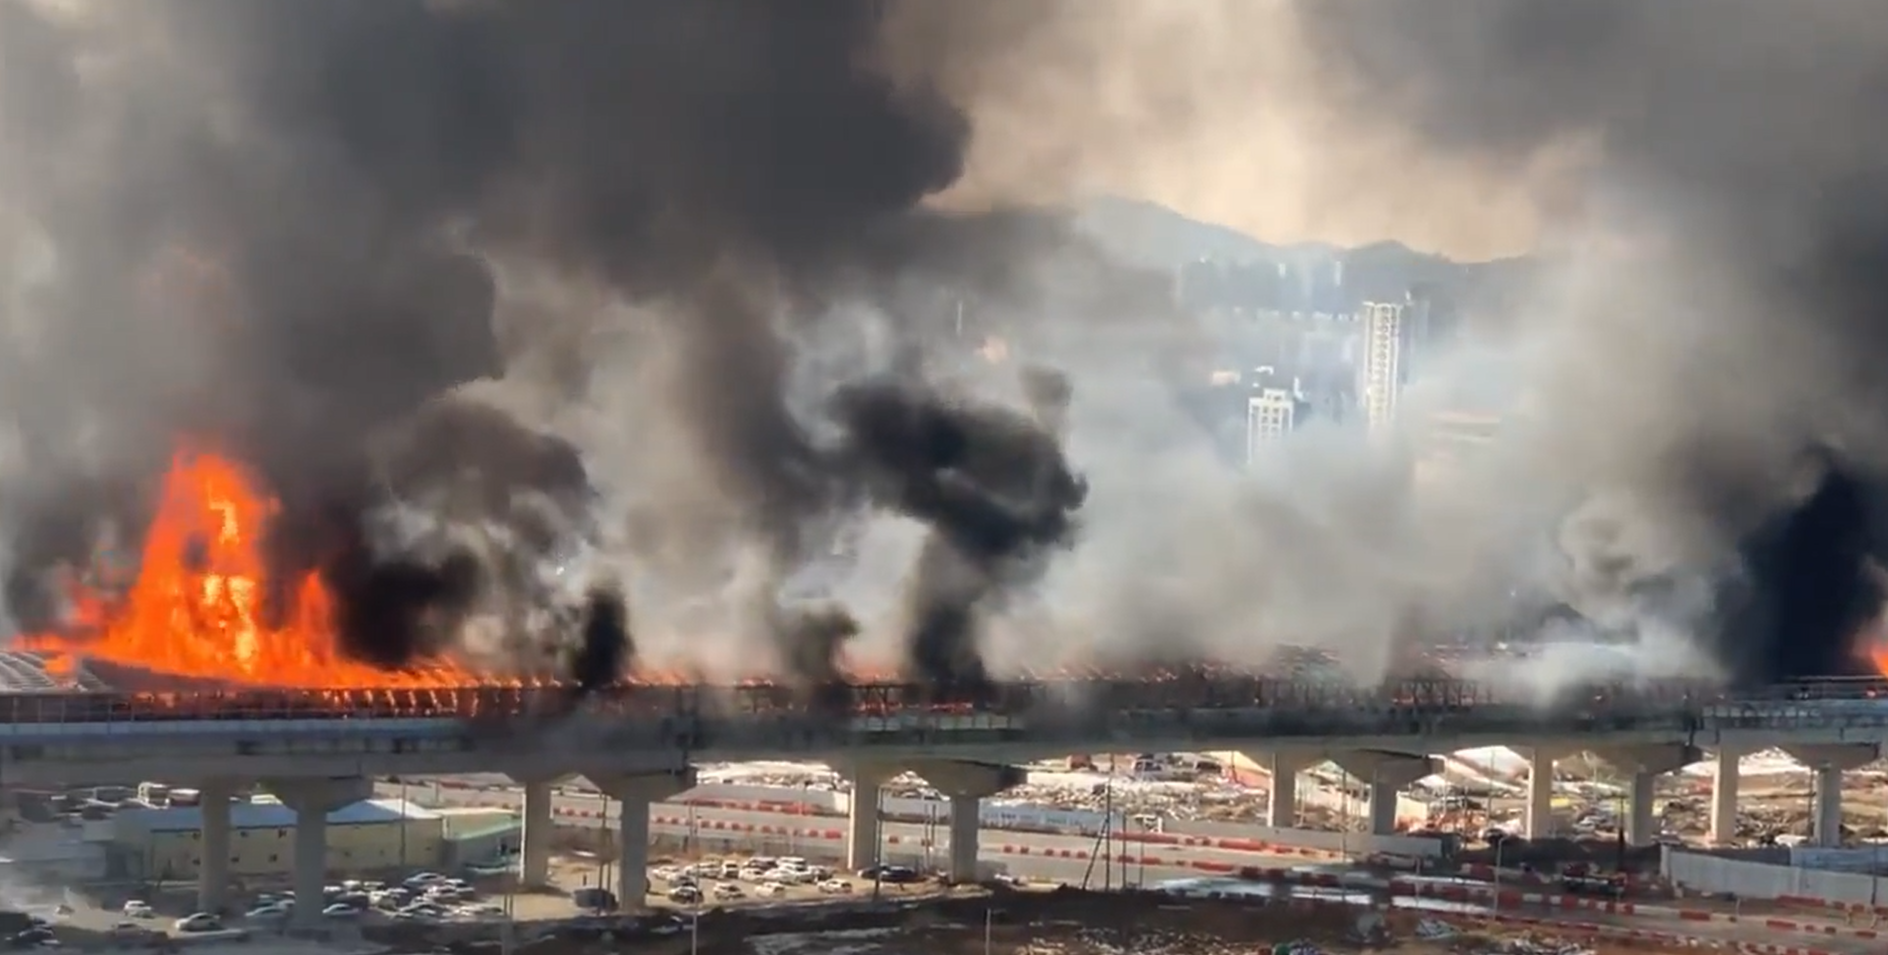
[369, 836]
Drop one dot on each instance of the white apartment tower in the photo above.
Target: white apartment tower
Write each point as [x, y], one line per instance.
[1271, 410]
[1389, 332]
[1270, 415]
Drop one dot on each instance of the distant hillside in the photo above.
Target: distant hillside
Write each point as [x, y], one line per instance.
[1157, 237]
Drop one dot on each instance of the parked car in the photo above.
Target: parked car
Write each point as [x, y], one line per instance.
[198, 922]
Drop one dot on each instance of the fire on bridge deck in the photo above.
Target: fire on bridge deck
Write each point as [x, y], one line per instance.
[29, 693]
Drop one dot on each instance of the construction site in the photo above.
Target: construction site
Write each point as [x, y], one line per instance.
[1057, 922]
[1477, 794]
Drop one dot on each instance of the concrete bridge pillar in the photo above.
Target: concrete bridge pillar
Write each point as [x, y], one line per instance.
[1829, 762]
[1724, 782]
[213, 868]
[1282, 801]
[864, 829]
[637, 793]
[1540, 791]
[534, 852]
[1641, 827]
[312, 800]
[1644, 764]
[1825, 827]
[1388, 774]
[966, 784]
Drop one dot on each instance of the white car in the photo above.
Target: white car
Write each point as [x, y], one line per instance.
[836, 887]
[727, 890]
[139, 910]
[132, 930]
[770, 890]
[751, 874]
[198, 922]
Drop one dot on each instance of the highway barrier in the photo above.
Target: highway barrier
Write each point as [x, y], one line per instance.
[1334, 843]
[1847, 908]
[1010, 817]
[709, 825]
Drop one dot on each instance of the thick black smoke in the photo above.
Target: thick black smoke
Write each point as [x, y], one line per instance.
[1808, 590]
[332, 176]
[991, 483]
[1745, 137]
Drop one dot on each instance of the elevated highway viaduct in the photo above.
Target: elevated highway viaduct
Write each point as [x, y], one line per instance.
[318, 751]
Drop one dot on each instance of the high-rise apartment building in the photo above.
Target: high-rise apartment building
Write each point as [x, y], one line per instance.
[1272, 410]
[1392, 333]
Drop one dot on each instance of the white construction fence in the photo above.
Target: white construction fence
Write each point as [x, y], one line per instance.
[1701, 872]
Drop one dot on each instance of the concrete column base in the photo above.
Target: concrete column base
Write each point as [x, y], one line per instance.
[966, 825]
[1640, 827]
[1829, 762]
[1724, 796]
[534, 846]
[966, 784]
[1387, 774]
[864, 828]
[312, 800]
[1540, 820]
[1826, 825]
[1645, 764]
[214, 854]
[1281, 802]
[637, 793]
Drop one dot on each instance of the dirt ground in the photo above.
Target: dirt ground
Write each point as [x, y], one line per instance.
[1049, 923]
[1768, 805]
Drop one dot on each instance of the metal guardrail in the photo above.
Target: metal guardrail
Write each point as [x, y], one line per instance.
[1201, 690]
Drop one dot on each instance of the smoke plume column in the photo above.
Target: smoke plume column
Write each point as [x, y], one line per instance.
[484, 514]
[995, 490]
[1745, 140]
[335, 178]
[606, 647]
[1808, 591]
[1048, 393]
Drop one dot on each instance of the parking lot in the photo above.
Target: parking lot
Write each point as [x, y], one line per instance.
[720, 881]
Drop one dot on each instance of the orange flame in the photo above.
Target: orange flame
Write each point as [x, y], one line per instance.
[195, 609]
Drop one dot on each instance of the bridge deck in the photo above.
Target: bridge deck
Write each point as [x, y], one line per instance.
[1199, 695]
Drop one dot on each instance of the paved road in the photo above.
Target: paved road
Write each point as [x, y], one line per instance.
[1170, 863]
